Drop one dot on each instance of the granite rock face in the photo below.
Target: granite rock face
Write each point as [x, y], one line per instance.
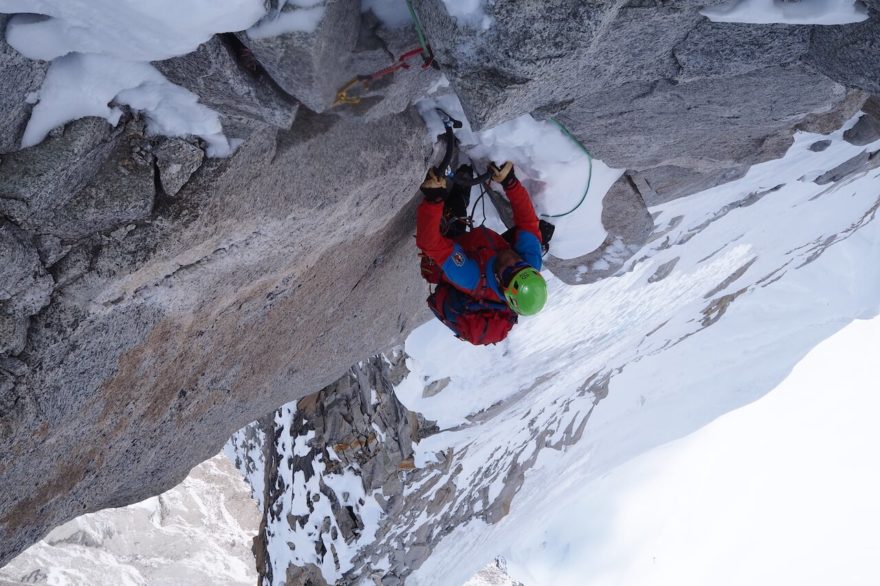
[21, 78]
[309, 66]
[849, 54]
[173, 325]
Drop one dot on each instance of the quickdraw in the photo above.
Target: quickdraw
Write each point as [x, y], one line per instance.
[343, 96]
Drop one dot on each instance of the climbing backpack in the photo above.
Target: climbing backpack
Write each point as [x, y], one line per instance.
[479, 322]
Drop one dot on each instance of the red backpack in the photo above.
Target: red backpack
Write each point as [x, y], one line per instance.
[479, 322]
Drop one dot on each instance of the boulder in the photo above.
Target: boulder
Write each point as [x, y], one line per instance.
[25, 287]
[628, 225]
[707, 124]
[177, 160]
[20, 79]
[241, 97]
[867, 129]
[309, 65]
[36, 181]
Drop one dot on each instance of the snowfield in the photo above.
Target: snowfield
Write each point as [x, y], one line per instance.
[739, 283]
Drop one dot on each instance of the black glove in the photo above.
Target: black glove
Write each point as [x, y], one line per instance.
[435, 188]
[503, 174]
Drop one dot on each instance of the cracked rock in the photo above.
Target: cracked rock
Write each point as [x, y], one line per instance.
[310, 66]
[242, 100]
[177, 160]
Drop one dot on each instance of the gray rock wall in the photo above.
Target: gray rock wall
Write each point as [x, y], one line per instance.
[171, 326]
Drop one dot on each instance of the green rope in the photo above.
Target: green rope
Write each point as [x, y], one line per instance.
[589, 162]
[427, 54]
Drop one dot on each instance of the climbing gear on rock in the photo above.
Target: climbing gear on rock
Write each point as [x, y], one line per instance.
[504, 174]
[343, 96]
[526, 293]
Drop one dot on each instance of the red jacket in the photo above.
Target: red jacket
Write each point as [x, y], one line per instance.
[468, 260]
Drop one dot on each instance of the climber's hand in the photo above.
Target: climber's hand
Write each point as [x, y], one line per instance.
[434, 187]
[503, 174]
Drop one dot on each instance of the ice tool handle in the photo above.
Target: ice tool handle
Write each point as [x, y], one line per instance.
[450, 124]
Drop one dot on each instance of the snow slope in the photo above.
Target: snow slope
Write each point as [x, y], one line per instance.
[782, 491]
[737, 285]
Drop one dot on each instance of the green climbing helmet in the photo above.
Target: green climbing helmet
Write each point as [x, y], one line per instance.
[527, 292]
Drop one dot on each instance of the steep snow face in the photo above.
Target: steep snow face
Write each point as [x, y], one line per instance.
[198, 533]
[782, 491]
[737, 284]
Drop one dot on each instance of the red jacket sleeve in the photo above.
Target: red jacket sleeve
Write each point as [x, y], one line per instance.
[428, 236]
[524, 216]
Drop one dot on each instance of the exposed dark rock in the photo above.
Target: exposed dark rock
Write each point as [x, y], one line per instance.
[820, 145]
[20, 77]
[177, 160]
[867, 129]
[628, 224]
[311, 66]
[355, 423]
[665, 183]
[858, 164]
[242, 99]
[849, 54]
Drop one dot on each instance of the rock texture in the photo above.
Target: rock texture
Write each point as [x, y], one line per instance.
[21, 79]
[171, 325]
[245, 100]
[310, 66]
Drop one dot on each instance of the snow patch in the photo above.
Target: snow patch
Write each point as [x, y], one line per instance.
[100, 61]
[295, 16]
[470, 13]
[823, 12]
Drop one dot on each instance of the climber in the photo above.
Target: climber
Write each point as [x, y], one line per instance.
[484, 281]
